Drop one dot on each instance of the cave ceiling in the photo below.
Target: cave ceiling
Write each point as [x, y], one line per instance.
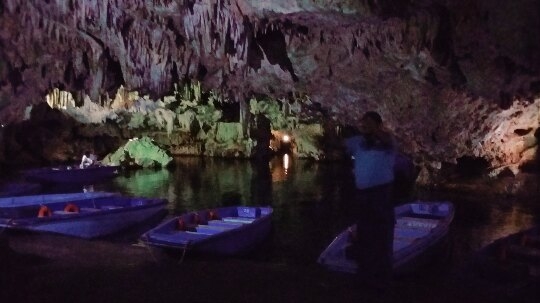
[445, 75]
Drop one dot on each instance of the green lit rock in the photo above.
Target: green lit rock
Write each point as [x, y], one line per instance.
[140, 152]
[271, 109]
[229, 132]
[136, 121]
[307, 138]
[227, 140]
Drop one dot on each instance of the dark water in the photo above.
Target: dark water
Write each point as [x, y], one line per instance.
[310, 202]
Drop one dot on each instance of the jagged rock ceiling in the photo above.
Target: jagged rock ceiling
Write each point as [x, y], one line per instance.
[451, 78]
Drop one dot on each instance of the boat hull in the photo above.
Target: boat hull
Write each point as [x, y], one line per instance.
[72, 175]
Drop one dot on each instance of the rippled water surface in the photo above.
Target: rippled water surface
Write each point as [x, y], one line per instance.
[310, 201]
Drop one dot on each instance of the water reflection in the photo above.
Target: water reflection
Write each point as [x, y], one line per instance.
[261, 183]
[280, 168]
[310, 201]
[147, 183]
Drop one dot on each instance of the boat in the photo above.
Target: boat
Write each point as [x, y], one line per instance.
[513, 258]
[7, 203]
[83, 215]
[419, 226]
[228, 231]
[72, 174]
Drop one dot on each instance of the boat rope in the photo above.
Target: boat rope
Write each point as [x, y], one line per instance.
[150, 251]
[4, 228]
[184, 252]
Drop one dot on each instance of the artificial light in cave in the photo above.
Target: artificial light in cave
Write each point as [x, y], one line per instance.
[286, 138]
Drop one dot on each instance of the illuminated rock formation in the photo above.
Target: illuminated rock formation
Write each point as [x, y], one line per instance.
[452, 79]
[141, 152]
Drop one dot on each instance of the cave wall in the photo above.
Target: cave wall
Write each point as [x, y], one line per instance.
[450, 78]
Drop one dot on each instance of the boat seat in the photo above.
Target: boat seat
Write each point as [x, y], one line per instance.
[224, 223]
[61, 212]
[421, 223]
[239, 219]
[409, 234]
[213, 229]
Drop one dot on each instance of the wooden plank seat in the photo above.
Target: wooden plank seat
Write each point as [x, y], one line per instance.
[63, 212]
[224, 223]
[213, 229]
[239, 219]
[421, 223]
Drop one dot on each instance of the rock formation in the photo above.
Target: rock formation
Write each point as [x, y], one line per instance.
[137, 152]
[453, 79]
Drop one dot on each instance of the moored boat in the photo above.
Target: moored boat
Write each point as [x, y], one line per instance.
[515, 257]
[69, 174]
[9, 203]
[419, 226]
[222, 231]
[84, 215]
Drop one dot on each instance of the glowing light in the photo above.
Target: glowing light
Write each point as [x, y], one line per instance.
[286, 138]
[286, 162]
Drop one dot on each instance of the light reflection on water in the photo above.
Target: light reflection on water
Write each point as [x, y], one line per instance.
[310, 201]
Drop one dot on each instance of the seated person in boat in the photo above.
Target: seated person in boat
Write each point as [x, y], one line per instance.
[88, 159]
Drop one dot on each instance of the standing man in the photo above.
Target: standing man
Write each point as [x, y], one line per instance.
[373, 151]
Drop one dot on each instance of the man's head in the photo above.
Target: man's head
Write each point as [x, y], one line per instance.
[371, 121]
